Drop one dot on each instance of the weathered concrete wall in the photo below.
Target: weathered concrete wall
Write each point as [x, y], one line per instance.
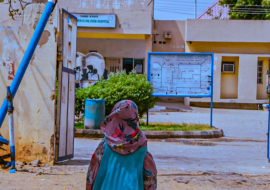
[133, 16]
[34, 101]
[176, 43]
[6, 8]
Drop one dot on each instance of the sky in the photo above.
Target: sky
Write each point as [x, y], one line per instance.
[179, 9]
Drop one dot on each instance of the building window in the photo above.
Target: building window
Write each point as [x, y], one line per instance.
[259, 72]
[129, 64]
[113, 64]
[227, 67]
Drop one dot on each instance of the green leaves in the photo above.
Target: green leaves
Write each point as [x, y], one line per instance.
[120, 86]
[248, 9]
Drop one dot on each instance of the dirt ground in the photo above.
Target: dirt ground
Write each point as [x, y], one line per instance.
[237, 161]
[186, 181]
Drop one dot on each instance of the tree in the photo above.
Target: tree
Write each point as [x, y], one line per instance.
[248, 9]
[119, 86]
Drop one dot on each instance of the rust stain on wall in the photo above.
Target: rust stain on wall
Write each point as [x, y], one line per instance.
[44, 38]
[11, 68]
[32, 151]
[52, 152]
[35, 24]
[32, 59]
[40, 1]
[52, 97]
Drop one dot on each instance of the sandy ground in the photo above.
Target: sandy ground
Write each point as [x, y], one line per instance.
[237, 161]
[186, 181]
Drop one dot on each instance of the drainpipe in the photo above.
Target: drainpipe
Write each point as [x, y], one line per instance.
[28, 55]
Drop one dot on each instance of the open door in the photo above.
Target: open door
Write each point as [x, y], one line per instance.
[64, 144]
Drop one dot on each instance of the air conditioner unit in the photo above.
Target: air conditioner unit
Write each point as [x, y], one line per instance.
[228, 67]
[167, 35]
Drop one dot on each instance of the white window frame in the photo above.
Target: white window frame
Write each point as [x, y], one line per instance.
[224, 63]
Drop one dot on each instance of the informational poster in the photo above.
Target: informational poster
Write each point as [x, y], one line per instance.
[181, 74]
[96, 21]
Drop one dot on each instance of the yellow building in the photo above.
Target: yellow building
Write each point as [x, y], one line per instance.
[241, 52]
[119, 30]
[241, 48]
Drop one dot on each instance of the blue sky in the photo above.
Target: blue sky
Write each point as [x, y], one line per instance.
[179, 9]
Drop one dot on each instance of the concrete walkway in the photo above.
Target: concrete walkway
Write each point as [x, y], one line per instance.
[179, 155]
[244, 149]
[248, 124]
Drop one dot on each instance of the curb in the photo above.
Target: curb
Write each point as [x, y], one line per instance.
[90, 133]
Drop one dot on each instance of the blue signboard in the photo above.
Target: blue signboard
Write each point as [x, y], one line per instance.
[181, 74]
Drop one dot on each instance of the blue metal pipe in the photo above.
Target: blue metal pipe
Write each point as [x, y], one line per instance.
[268, 134]
[212, 91]
[27, 56]
[11, 127]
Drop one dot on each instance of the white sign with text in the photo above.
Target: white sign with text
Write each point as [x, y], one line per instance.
[96, 21]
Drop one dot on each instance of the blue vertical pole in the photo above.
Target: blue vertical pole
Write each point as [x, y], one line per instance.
[212, 91]
[11, 127]
[27, 56]
[211, 117]
[147, 121]
[268, 135]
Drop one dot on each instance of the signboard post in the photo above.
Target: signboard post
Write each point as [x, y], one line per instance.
[182, 75]
[96, 20]
[268, 92]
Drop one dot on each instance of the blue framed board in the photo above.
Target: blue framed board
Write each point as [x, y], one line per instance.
[181, 75]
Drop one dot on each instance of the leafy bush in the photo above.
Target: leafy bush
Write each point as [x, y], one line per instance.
[119, 86]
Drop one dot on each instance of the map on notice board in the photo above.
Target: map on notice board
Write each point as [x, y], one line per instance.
[179, 74]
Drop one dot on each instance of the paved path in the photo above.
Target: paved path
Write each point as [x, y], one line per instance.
[235, 123]
[244, 149]
[195, 155]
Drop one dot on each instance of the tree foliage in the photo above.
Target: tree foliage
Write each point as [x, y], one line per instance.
[119, 86]
[248, 9]
[16, 7]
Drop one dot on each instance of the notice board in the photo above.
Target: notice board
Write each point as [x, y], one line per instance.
[181, 74]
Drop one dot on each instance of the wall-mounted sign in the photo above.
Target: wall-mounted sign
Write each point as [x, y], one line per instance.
[96, 21]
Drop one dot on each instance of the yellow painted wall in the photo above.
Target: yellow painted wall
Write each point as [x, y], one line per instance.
[229, 81]
[261, 88]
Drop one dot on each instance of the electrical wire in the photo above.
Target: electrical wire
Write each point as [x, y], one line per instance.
[174, 12]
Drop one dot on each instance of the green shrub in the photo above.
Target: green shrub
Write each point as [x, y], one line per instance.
[120, 86]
